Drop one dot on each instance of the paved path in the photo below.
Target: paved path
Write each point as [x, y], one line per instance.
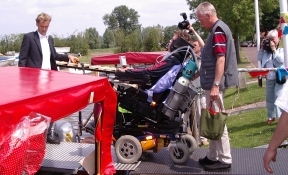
[251, 54]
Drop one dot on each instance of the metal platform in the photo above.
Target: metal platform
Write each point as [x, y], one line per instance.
[245, 161]
[65, 157]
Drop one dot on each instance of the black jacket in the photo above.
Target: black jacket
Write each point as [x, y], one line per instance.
[31, 52]
[158, 70]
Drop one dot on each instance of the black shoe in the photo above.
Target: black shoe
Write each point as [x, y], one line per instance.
[52, 140]
[206, 161]
[219, 166]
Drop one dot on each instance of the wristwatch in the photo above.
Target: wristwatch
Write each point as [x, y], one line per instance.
[216, 83]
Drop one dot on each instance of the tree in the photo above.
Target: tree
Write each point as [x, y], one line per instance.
[240, 16]
[78, 43]
[151, 37]
[122, 18]
[92, 37]
[270, 20]
[108, 38]
[169, 32]
[120, 41]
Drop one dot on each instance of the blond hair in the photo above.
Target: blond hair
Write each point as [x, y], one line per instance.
[183, 34]
[43, 17]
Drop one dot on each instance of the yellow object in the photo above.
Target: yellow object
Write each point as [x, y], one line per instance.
[68, 137]
[122, 110]
[285, 16]
[153, 103]
[147, 144]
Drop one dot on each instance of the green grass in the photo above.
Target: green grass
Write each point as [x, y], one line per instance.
[249, 129]
[94, 52]
[252, 94]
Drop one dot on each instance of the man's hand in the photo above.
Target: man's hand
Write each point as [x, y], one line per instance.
[73, 59]
[268, 156]
[214, 94]
[123, 69]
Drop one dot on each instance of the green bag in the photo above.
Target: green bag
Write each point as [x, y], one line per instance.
[212, 123]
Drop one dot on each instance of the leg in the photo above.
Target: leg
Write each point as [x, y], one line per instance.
[270, 99]
[219, 154]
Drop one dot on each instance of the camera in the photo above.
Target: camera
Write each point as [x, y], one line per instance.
[266, 45]
[183, 24]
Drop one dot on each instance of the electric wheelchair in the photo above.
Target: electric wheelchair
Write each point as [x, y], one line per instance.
[149, 125]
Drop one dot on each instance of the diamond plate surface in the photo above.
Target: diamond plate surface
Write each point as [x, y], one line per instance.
[245, 161]
[66, 155]
[122, 166]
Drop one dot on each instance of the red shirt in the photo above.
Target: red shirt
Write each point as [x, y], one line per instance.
[219, 42]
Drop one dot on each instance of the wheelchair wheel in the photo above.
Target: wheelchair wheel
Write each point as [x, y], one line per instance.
[189, 141]
[179, 153]
[128, 149]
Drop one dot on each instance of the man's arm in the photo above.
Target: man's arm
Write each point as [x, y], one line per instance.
[219, 71]
[220, 65]
[23, 55]
[63, 57]
[280, 134]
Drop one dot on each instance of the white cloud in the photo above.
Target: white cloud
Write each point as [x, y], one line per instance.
[18, 16]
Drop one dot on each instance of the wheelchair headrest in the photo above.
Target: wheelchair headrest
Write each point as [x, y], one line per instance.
[178, 43]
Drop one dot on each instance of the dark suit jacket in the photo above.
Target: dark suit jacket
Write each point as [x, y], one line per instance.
[31, 52]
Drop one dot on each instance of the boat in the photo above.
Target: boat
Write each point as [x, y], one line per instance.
[4, 61]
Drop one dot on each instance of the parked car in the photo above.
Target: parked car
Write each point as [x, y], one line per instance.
[244, 44]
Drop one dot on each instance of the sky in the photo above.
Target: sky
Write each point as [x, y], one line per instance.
[72, 16]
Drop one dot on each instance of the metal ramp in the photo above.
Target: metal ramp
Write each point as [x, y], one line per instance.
[65, 157]
[245, 161]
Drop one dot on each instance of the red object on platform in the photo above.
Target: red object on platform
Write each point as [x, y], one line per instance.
[131, 58]
[35, 153]
[56, 95]
[255, 74]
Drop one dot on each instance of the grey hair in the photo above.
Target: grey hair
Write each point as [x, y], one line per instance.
[272, 33]
[206, 8]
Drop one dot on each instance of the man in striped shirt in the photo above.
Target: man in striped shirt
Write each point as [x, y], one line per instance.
[218, 71]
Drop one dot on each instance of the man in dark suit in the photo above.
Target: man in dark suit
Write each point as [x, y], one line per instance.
[37, 51]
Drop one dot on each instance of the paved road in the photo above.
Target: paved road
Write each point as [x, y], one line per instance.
[251, 54]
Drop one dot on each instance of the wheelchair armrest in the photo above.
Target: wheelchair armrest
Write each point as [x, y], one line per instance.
[143, 79]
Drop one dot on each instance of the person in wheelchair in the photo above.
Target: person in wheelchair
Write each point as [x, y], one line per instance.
[163, 75]
[175, 56]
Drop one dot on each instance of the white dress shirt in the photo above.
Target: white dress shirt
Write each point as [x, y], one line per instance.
[45, 52]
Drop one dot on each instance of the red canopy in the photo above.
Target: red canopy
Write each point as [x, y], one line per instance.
[131, 58]
[56, 95]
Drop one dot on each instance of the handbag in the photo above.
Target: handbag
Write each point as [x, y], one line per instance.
[282, 81]
[212, 123]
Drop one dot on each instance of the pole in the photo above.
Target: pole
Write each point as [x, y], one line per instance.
[283, 9]
[257, 24]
